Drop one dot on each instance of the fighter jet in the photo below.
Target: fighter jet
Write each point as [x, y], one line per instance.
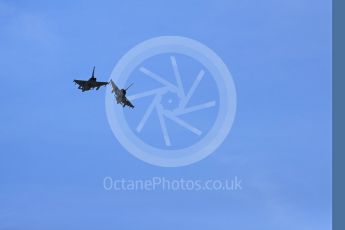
[91, 83]
[120, 95]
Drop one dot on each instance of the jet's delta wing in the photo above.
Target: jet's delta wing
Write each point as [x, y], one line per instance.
[100, 83]
[115, 89]
[80, 82]
[128, 103]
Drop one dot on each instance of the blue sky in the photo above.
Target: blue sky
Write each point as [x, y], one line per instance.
[57, 146]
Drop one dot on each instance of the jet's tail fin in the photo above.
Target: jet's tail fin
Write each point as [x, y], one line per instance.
[129, 86]
[93, 72]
